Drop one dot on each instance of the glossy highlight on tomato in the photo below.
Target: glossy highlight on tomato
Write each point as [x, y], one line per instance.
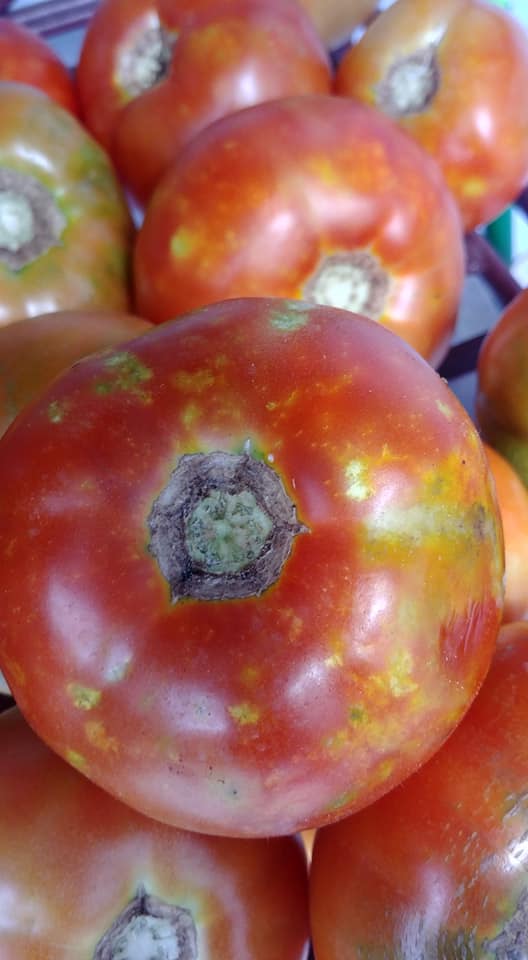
[84, 876]
[152, 74]
[453, 74]
[65, 227]
[437, 868]
[252, 566]
[314, 197]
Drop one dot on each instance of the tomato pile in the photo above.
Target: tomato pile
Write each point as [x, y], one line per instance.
[263, 602]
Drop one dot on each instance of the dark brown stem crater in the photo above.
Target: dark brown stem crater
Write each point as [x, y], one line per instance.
[149, 929]
[222, 528]
[30, 220]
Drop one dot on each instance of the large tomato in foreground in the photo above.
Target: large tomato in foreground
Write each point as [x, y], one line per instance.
[251, 566]
[65, 228]
[437, 869]
[453, 74]
[153, 73]
[501, 406]
[313, 197]
[85, 877]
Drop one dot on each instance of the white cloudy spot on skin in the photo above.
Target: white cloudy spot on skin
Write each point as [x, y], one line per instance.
[358, 485]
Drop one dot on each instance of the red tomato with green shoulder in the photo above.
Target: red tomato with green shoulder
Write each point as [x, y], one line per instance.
[152, 74]
[26, 57]
[437, 868]
[453, 74]
[318, 198]
[252, 566]
[65, 227]
[113, 884]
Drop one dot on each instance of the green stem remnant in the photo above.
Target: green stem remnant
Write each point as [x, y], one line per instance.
[222, 528]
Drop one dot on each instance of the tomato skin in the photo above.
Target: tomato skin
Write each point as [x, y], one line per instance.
[472, 125]
[250, 716]
[512, 497]
[437, 868]
[87, 266]
[235, 217]
[25, 57]
[501, 406]
[35, 350]
[336, 19]
[226, 55]
[248, 897]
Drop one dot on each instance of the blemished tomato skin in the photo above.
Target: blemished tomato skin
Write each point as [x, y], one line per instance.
[72, 858]
[476, 58]
[512, 497]
[26, 57]
[501, 406]
[35, 350]
[70, 181]
[220, 56]
[267, 200]
[437, 868]
[280, 708]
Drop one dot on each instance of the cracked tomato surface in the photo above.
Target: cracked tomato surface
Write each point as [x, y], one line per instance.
[252, 566]
[112, 884]
[438, 867]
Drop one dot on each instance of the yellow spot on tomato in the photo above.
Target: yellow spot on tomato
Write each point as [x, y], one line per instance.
[292, 315]
[96, 733]
[250, 675]
[84, 698]
[76, 760]
[358, 484]
[183, 243]
[400, 679]
[193, 382]
[244, 713]
[190, 414]
[334, 660]
[474, 187]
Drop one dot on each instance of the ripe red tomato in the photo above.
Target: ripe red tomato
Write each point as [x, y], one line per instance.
[345, 210]
[33, 351]
[85, 876]
[26, 57]
[336, 19]
[251, 566]
[453, 74]
[501, 406]
[512, 497]
[65, 228]
[438, 867]
[151, 75]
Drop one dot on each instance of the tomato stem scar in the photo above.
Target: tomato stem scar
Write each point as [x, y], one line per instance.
[223, 527]
[410, 84]
[148, 927]
[30, 221]
[353, 281]
[146, 61]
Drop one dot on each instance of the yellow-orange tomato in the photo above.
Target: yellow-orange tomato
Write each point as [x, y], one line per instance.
[512, 496]
[454, 74]
[336, 19]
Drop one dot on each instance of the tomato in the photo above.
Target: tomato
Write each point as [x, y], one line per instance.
[452, 73]
[336, 19]
[25, 57]
[112, 884]
[317, 198]
[151, 75]
[34, 350]
[512, 497]
[501, 406]
[251, 566]
[65, 227]
[438, 867]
